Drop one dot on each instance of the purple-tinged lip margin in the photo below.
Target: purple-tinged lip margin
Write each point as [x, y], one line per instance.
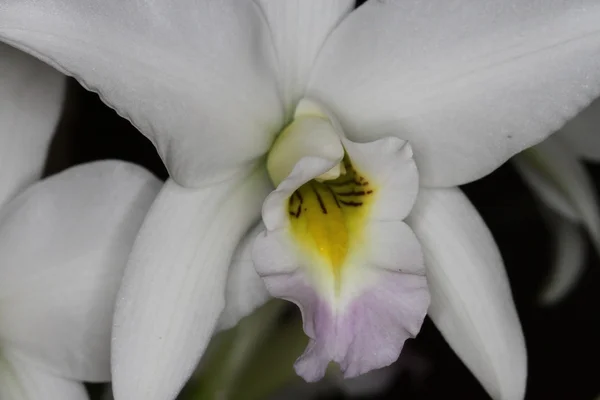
[367, 334]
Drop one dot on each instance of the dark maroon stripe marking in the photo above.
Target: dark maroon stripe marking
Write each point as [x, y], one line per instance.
[352, 193]
[320, 200]
[337, 203]
[351, 203]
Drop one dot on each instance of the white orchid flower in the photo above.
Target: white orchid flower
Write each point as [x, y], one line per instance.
[555, 172]
[324, 96]
[64, 243]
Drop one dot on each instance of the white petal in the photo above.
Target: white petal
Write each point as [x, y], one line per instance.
[64, 244]
[245, 291]
[196, 77]
[471, 302]
[23, 380]
[582, 133]
[569, 259]
[468, 83]
[556, 170]
[298, 29]
[31, 97]
[173, 291]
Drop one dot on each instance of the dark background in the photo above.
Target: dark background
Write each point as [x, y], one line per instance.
[562, 340]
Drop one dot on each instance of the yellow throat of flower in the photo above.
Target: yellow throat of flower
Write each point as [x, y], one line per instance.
[327, 218]
[327, 214]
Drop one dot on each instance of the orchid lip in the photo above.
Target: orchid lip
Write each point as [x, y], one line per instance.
[334, 225]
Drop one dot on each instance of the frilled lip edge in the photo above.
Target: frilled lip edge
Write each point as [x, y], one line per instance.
[385, 290]
[367, 334]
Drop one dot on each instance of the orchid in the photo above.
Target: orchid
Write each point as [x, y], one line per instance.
[64, 243]
[364, 121]
[554, 171]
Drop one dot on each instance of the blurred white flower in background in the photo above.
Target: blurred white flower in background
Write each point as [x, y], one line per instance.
[463, 84]
[555, 171]
[64, 242]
